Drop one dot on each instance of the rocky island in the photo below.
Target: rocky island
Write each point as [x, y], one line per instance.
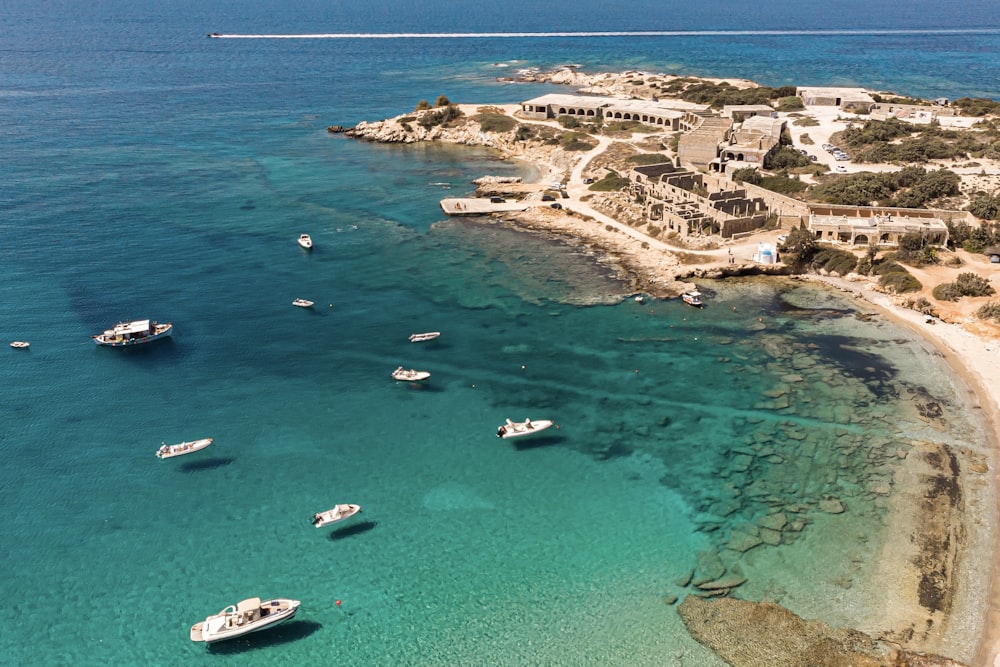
[669, 190]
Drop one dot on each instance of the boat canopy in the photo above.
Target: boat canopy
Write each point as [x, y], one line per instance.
[139, 326]
[251, 604]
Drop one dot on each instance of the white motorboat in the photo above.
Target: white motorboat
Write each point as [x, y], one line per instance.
[305, 241]
[514, 429]
[421, 337]
[339, 513]
[181, 448]
[248, 616]
[127, 334]
[692, 298]
[303, 303]
[410, 375]
[20, 345]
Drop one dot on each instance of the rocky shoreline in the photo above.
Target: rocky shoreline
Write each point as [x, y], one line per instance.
[736, 630]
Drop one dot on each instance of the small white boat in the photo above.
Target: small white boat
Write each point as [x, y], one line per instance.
[126, 334]
[339, 513]
[170, 451]
[305, 241]
[514, 429]
[302, 303]
[248, 616]
[421, 337]
[20, 345]
[410, 375]
[692, 298]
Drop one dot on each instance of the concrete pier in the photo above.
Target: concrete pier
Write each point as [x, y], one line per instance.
[479, 206]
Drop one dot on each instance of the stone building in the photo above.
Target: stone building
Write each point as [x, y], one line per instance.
[864, 225]
[845, 98]
[679, 199]
[671, 115]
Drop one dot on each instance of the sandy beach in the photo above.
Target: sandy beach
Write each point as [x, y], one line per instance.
[598, 221]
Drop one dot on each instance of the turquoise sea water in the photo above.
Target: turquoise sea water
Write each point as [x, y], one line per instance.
[151, 172]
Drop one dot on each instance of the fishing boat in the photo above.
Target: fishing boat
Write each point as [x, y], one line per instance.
[236, 620]
[339, 513]
[514, 429]
[421, 337]
[410, 375]
[20, 345]
[181, 448]
[127, 334]
[305, 241]
[303, 303]
[692, 298]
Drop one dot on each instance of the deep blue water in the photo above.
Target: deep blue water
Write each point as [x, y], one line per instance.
[150, 172]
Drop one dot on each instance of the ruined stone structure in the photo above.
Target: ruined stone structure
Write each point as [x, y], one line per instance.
[680, 200]
[911, 113]
[753, 140]
[845, 98]
[700, 147]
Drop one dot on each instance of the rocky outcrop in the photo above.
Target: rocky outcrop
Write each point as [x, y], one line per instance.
[765, 634]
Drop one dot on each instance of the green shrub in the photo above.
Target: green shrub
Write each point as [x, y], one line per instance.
[524, 132]
[494, 122]
[748, 175]
[423, 105]
[649, 158]
[610, 183]
[900, 282]
[440, 116]
[783, 184]
[947, 292]
[791, 103]
[971, 284]
[805, 121]
[990, 311]
[834, 260]
[442, 101]
[569, 122]
[575, 141]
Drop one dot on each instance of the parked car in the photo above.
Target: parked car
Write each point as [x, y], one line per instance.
[497, 200]
[841, 169]
[556, 205]
[548, 198]
[588, 181]
[565, 195]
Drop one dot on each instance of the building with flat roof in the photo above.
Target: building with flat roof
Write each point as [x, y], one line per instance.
[845, 98]
[864, 225]
[669, 114]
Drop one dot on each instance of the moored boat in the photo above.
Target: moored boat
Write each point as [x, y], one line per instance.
[305, 241]
[421, 337]
[410, 375]
[250, 615]
[126, 334]
[170, 451]
[20, 345]
[514, 429]
[692, 298]
[303, 303]
[339, 513]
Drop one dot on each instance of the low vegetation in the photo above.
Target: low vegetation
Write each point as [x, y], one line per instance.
[495, 122]
[577, 141]
[611, 182]
[718, 95]
[648, 158]
[990, 311]
[973, 239]
[445, 116]
[893, 141]
[967, 284]
[910, 187]
[894, 277]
